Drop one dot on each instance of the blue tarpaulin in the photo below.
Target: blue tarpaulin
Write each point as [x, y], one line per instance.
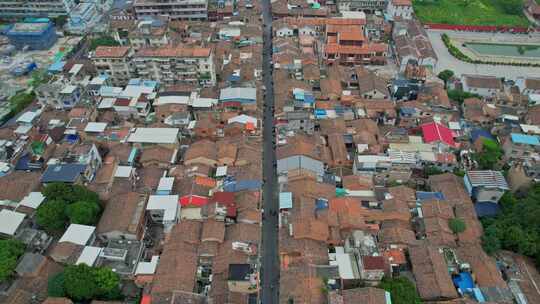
[486, 209]
[321, 203]
[464, 282]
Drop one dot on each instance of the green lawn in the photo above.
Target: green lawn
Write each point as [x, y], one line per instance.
[471, 12]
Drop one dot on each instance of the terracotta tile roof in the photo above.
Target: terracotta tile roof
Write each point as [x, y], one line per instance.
[111, 51]
[374, 263]
[205, 181]
[395, 256]
[123, 213]
[451, 186]
[178, 263]
[396, 236]
[158, 154]
[213, 231]
[484, 267]
[310, 229]
[365, 295]
[51, 300]
[366, 49]
[170, 51]
[431, 273]
[19, 184]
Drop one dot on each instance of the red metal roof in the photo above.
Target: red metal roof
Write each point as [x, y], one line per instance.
[193, 200]
[146, 299]
[433, 132]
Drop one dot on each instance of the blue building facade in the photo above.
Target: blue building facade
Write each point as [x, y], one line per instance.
[35, 35]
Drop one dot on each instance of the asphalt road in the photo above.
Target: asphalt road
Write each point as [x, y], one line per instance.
[270, 260]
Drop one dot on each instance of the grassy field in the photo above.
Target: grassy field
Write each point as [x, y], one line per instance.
[467, 12]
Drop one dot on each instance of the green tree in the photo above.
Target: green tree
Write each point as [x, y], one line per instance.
[103, 41]
[457, 225]
[10, 251]
[401, 290]
[490, 155]
[460, 96]
[432, 170]
[445, 76]
[83, 212]
[79, 282]
[69, 193]
[51, 215]
[55, 286]
[108, 284]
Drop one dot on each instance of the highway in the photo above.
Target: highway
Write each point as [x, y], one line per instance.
[270, 260]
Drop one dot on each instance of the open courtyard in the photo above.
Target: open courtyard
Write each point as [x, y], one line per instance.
[447, 61]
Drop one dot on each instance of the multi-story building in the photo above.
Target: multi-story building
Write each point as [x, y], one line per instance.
[168, 64]
[12, 9]
[171, 65]
[34, 35]
[368, 6]
[347, 44]
[114, 62]
[174, 9]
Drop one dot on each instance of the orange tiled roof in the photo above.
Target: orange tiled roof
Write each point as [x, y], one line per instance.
[111, 51]
[205, 181]
[332, 48]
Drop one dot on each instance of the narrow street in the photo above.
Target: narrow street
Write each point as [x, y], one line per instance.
[270, 260]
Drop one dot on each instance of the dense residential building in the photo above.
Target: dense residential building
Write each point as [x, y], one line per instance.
[368, 6]
[35, 8]
[174, 9]
[172, 65]
[168, 64]
[398, 9]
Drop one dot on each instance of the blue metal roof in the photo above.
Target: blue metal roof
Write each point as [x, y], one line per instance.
[57, 66]
[424, 196]
[407, 111]
[285, 200]
[476, 133]
[525, 139]
[321, 204]
[65, 173]
[486, 209]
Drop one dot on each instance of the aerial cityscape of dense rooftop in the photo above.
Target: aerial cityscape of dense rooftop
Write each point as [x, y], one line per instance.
[269, 151]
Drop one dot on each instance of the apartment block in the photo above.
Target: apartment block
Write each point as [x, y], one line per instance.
[35, 8]
[168, 65]
[172, 65]
[174, 9]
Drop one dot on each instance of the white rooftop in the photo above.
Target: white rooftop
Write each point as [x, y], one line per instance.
[107, 103]
[28, 117]
[165, 184]
[89, 255]
[32, 200]
[10, 221]
[76, 68]
[154, 135]
[23, 129]
[123, 171]
[176, 99]
[68, 89]
[168, 203]
[243, 119]
[221, 171]
[78, 234]
[95, 127]
[147, 267]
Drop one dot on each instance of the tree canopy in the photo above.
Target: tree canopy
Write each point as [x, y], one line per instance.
[51, 216]
[401, 290]
[67, 203]
[460, 96]
[490, 155]
[457, 225]
[445, 76]
[10, 251]
[83, 212]
[103, 41]
[516, 227]
[83, 283]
